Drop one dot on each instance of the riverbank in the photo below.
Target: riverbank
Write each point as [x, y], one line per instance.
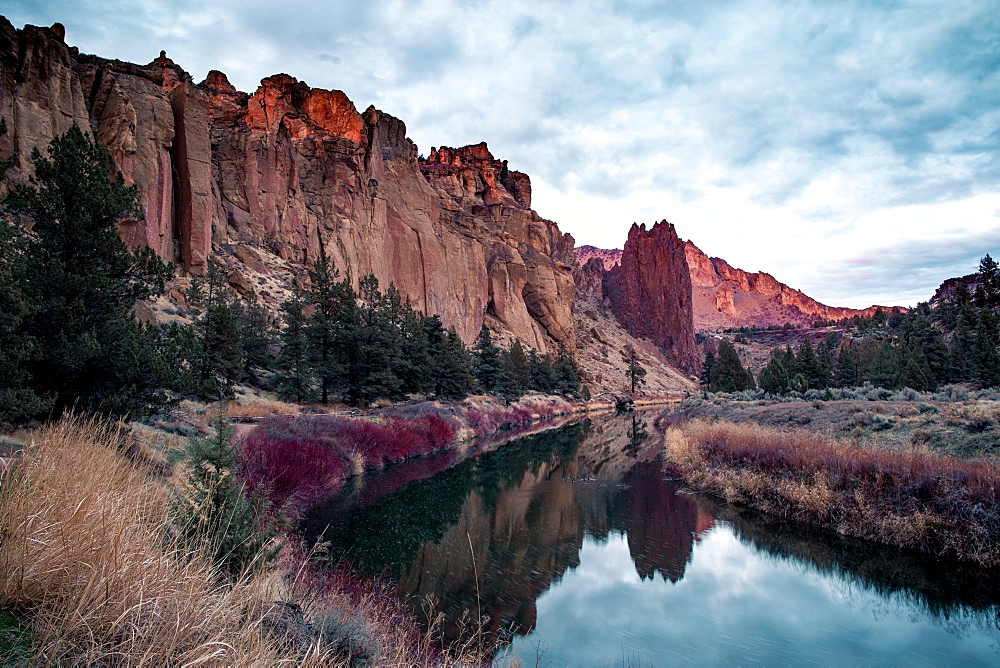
[89, 567]
[86, 573]
[914, 500]
[296, 460]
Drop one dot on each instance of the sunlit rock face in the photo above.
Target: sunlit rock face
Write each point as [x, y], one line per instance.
[650, 293]
[289, 168]
[725, 296]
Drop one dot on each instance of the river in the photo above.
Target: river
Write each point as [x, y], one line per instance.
[578, 553]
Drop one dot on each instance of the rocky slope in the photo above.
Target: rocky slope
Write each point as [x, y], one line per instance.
[723, 296]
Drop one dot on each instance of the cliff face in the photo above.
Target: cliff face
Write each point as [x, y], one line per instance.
[289, 167]
[650, 293]
[724, 296]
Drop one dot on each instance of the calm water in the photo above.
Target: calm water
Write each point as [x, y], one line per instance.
[581, 554]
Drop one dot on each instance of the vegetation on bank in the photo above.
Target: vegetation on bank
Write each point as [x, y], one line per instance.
[92, 560]
[956, 420]
[913, 500]
[295, 461]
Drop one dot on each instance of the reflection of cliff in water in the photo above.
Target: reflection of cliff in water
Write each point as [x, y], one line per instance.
[494, 533]
[953, 595]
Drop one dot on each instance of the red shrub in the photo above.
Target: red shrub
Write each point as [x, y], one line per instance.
[292, 472]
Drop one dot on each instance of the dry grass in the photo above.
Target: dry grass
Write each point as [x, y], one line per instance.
[85, 558]
[83, 555]
[914, 500]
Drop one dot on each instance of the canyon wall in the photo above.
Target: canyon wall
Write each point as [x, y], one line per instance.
[287, 168]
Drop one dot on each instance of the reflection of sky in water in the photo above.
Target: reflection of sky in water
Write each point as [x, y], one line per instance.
[735, 605]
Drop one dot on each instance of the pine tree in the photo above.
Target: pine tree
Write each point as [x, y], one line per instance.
[452, 367]
[961, 352]
[488, 367]
[218, 355]
[296, 379]
[568, 376]
[256, 338]
[331, 330]
[635, 372]
[728, 374]
[79, 341]
[706, 368]
[988, 292]
[846, 372]
[773, 378]
[212, 513]
[517, 370]
[884, 370]
[987, 359]
[808, 365]
[543, 378]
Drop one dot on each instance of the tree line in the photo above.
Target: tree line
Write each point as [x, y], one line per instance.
[69, 337]
[954, 342]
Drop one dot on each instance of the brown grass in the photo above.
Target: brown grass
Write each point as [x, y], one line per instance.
[85, 558]
[913, 500]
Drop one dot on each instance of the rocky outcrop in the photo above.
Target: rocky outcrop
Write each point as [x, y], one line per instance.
[724, 297]
[607, 257]
[650, 293]
[290, 167]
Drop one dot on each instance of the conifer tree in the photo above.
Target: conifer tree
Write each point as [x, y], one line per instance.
[846, 372]
[295, 380]
[635, 372]
[542, 376]
[488, 366]
[884, 370]
[773, 378]
[987, 359]
[988, 292]
[332, 328]
[452, 367]
[79, 341]
[706, 368]
[728, 374]
[218, 354]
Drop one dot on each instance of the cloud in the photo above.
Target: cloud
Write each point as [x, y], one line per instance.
[764, 128]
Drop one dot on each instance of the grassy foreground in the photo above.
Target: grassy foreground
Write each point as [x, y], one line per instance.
[88, 565]
[913, 500]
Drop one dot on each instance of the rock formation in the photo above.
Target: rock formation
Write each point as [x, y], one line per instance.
[724, 296]
[650, 293]
[289, 167]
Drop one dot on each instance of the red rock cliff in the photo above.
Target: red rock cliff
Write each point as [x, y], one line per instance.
[724, 296]
[289, 167]
[650, 293]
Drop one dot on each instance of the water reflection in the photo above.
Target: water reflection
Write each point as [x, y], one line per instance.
[546, 522]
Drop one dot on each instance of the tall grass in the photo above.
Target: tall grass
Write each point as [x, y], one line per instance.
[913, 500]
[83, 555]
[86, 557]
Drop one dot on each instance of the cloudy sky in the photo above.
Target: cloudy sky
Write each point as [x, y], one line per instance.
[851, 149]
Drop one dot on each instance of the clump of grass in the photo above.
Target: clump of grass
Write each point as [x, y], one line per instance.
[87, 563]
[83, 555]
[914, 500]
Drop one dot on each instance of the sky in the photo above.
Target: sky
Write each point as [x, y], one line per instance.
[850, 149]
